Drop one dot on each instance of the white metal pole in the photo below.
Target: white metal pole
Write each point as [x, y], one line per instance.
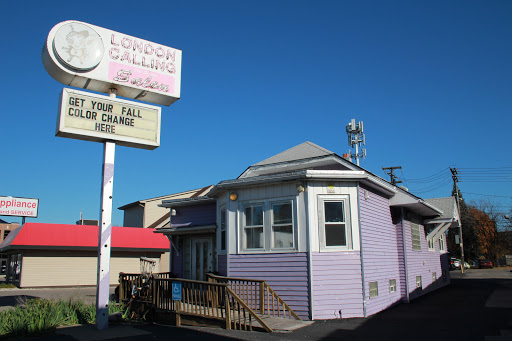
[357, 154]
[104, 239]
[105, 233]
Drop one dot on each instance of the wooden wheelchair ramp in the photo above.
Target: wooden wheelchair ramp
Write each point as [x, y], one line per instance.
[235, 303]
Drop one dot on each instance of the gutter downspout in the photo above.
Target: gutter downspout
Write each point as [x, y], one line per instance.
[361, 250]
[309, 253]
[402, 214]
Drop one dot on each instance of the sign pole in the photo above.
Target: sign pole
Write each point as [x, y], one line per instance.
[105, 233]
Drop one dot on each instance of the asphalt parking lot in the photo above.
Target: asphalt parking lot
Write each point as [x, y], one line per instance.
[476, 306]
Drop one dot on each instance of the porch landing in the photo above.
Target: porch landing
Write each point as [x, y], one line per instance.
[282, 325]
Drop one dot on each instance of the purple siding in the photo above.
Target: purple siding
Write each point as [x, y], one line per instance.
[401, 255]
[424, 263]
[286, 273]
[196, 215]
[222, 265]
[380, 245]
[337, 291]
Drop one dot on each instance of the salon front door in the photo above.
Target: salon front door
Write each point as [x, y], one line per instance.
[202, 258]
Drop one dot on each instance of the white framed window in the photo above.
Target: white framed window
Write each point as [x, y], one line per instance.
[253, 227]
[434, 278]
[415, 235]
[269, 225]
[223, 229]
[334, 222]
[441, 243]
[431, 245]
[392, 286]
[419, 285]
[374, 289]
[282, 225]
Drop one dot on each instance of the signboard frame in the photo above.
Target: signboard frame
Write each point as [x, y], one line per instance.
[90, 57]
[23, 199]
[97, 136]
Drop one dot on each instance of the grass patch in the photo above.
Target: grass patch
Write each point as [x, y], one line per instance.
[38, 316]
[7, 285]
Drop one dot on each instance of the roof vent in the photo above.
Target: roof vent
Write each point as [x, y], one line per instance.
[404, 188]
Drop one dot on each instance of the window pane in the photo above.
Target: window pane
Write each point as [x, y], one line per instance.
[283, 237]
[282, 213]
[223, 240]
[334, 212]
[254, 215]
[257, 215]
[335, 235]
[248, 216]
[254, 238]
[223, 218]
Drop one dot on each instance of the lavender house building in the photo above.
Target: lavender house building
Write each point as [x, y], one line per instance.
[332, 239]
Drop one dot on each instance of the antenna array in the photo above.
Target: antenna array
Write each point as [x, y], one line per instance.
[355, 138]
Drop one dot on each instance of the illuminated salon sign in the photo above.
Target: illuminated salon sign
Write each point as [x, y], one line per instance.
[19, 207]
[91, 117]
[94, 58]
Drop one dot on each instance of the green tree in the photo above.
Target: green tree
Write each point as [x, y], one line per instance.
[469, 236]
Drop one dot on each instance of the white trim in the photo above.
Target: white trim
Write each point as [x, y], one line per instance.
[267, 225]
[345, 199]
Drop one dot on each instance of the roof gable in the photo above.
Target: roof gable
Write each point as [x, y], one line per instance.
[306, 155]
[187, 194]
[304, 150]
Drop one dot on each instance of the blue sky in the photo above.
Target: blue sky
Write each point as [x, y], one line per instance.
[430, 79]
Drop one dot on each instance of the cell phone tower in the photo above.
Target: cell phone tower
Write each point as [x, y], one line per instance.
[355, 138]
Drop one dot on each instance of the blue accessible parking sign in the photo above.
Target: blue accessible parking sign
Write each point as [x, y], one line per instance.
[176, 291]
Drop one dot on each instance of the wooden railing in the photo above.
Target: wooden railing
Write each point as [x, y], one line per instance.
[202, 299]
[127, 281]
[258, 295]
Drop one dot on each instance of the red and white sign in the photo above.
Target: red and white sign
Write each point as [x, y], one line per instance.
[19, 207]
[94, 58]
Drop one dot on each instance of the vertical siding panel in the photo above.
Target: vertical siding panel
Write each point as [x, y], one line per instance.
[223, 265]
[380, 247]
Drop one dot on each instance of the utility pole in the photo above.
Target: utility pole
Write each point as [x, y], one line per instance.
[393, 177]
[355, 138]
[455, 181]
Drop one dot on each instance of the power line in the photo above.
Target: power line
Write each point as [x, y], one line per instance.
[439, 175]
[490, 195]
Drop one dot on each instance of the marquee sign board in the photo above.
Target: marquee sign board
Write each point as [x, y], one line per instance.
[92, 117]
[94, 58]
[19, 207]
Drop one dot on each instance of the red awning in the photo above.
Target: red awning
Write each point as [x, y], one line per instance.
[41, 235]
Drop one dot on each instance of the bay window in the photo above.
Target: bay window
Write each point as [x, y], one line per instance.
[269, 225]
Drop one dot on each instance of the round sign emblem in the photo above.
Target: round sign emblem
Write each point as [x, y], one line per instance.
[78, 46]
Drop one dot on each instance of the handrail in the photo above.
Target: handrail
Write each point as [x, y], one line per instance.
[259, 295]
[233, 300]
[249, 310]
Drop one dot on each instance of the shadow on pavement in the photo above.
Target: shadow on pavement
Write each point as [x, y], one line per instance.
[457, 312]
[14, 300]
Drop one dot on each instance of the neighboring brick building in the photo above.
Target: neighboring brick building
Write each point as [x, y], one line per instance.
[5, 229]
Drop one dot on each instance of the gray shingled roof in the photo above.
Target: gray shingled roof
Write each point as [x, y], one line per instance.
[444, 204]
[304, 150]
